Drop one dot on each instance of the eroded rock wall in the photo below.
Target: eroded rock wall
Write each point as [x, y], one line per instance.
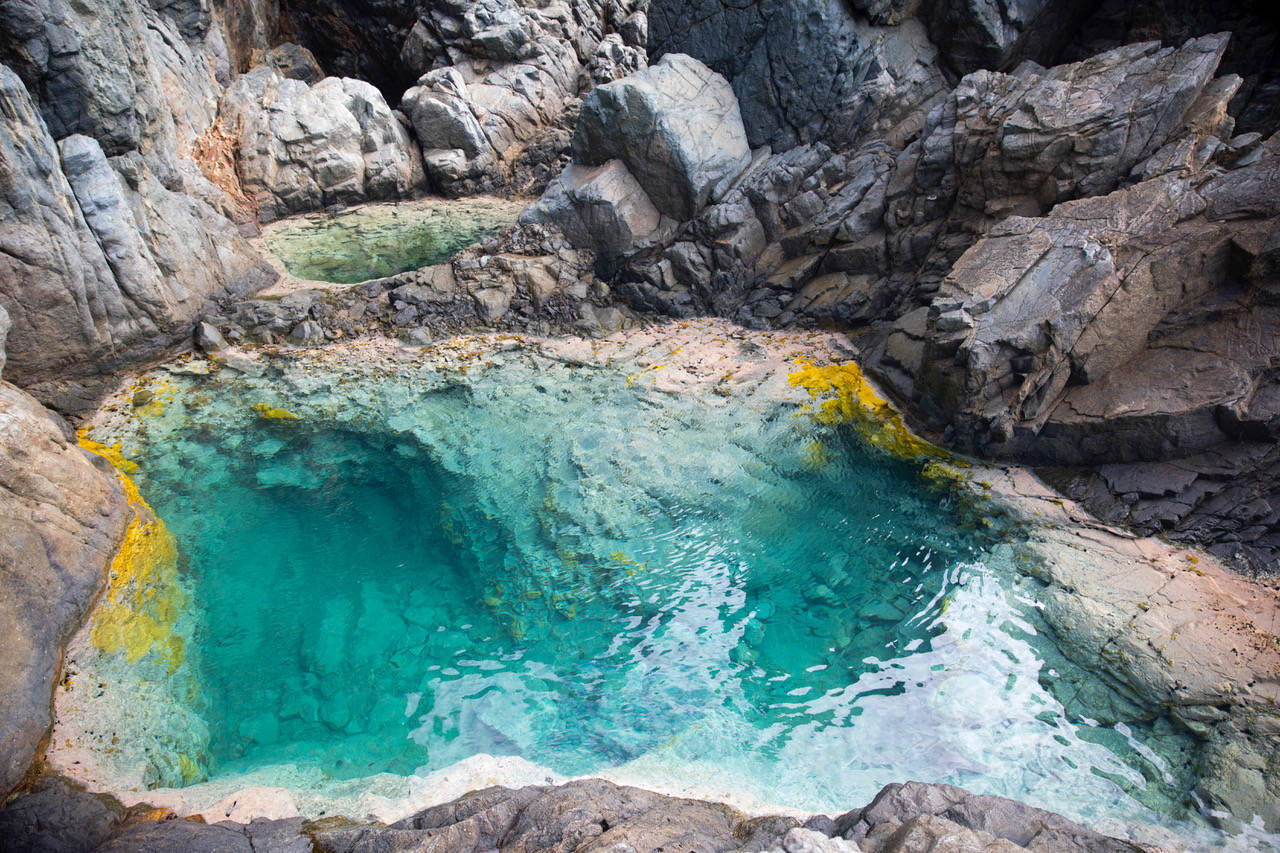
[112, 236]
[63, 516]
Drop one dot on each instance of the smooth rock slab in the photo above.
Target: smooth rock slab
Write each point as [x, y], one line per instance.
[677, 128]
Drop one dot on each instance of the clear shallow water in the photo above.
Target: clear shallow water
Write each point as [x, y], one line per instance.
[379, 240]
[550, 563]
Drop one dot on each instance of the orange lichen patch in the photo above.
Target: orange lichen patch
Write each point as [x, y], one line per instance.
[847, 397]
[214, 152]
[143, 597]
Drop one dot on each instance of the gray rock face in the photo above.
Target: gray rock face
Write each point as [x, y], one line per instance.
[305, 147]
[805, 71]
[113, 238]
[103, 262]
[63, 517]
[503, 76]
[677, 128]
[602, 208]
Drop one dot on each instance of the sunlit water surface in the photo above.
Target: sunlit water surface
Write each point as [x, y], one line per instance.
[551, 564]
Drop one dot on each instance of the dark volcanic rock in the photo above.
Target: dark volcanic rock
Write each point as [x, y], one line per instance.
[585, 816]
[803, 70]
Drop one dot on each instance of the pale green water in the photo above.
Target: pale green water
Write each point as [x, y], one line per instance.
[379, 240]
[545, 562]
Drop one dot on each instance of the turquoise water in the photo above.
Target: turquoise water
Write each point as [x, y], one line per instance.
[546, 562]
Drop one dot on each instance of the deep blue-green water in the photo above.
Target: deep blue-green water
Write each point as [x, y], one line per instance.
[548, 563]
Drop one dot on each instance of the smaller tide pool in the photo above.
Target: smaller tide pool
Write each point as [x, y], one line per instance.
[379, 240]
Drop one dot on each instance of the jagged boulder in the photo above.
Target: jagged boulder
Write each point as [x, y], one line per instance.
[677, 128]
[502, 81]
[804, 70]
[62, 517]
[602, 208]
[305, 147]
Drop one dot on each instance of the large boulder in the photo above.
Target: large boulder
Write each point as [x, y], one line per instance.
[602, 208]
[62, 517]
[305, 147]
[677, 128]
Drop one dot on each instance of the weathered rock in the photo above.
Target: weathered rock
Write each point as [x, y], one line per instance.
[178, 836]
[602, 208]
[55, 816]
[1255, 35]
[293, 62]
[1177, 632]
[806, 71]
[677, 128]
[4, 333]
[306, 147]
[593, 816]
[504, 75]
[887, 225]
[209, 339]
[63, 517]
[918, 816]
[307, 333]
[103, 263]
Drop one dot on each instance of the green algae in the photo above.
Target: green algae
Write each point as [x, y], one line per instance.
[379, 240]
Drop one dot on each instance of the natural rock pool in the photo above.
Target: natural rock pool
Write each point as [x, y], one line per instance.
[378, 240]
[639, 557]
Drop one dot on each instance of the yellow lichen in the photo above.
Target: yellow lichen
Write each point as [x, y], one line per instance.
[847, 397]
[149, 399]
[273, 413]
[112, 453]
[143, 597]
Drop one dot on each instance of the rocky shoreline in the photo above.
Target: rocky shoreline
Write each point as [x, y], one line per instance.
[1048, 230]
[1174, 631]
